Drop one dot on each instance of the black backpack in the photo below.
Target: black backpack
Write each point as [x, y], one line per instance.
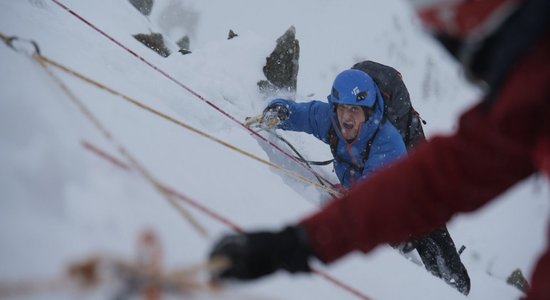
[397, 106]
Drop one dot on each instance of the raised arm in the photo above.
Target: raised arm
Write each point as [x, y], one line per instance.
[311, 117]
[491, 151]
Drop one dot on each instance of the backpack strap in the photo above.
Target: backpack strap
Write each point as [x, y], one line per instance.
[407, 137]
[366, 154]
[333, 141]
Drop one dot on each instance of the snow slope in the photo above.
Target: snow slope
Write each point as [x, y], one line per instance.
[60, 202]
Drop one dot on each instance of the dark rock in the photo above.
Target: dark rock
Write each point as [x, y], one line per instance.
[184, 42]
[153, 41]
[518, 280]
[231, 34]
[184, 51]
[281, 69]
[144, 6]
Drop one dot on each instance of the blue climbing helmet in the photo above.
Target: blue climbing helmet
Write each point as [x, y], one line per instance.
[353, 87]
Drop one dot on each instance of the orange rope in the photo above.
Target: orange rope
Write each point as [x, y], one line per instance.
[184, 125]
[133, 162]
[168, 193]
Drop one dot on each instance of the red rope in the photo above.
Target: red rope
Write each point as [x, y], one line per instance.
[218, 217]
[104, 155]
[115, 161]
[340, 284]
[210, 103]
[204, 209]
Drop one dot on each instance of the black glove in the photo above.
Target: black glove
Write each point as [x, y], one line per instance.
[252, 255]
[274, 115]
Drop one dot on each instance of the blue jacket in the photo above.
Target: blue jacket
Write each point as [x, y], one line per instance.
[317, 117]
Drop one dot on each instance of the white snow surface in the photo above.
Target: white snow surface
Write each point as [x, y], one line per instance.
[60, 202]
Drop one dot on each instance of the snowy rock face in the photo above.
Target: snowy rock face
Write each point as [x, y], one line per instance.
[281, 68]
[184, 43]
[155, 42]
[60, 202]
[144, 6]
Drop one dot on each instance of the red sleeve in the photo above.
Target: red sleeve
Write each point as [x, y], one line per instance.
[464, 18]
[491, 151]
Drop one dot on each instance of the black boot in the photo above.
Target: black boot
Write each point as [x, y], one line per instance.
[438, 253]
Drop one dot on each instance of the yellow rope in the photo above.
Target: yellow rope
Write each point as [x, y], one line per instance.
[147, 175]
[181, 124]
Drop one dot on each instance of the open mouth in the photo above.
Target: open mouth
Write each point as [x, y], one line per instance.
[347, 125]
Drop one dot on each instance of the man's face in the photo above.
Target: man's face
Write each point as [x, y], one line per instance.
[350, 118]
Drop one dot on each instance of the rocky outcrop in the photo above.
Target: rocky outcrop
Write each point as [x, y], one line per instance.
[281, 68]
[153, 41]
[184, 44]
[144, 6]
[231, 34]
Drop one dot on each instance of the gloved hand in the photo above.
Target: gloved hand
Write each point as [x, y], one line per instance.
[273, 116]
[252, 255]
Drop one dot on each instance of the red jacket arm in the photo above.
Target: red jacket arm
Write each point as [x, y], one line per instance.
[491, 151]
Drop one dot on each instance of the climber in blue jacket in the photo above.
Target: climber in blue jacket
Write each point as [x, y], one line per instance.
[362, 140]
